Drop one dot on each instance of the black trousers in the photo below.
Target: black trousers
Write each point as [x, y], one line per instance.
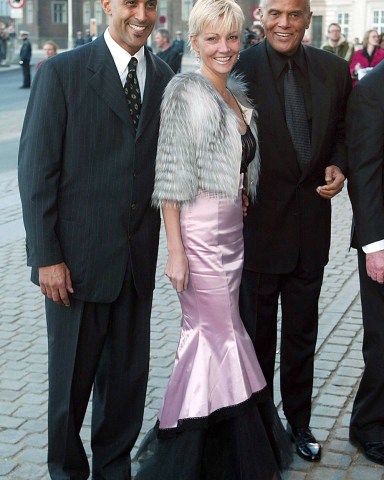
[367, 420]
[104, 347]
[299, 293]
[26, 74]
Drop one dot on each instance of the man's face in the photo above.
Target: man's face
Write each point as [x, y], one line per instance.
[49, 50]
[334, 33]
[285, 22]
[131, 22]
[159, 40]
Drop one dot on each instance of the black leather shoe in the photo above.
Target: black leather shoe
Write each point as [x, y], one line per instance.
[307, 447]
[374, 451]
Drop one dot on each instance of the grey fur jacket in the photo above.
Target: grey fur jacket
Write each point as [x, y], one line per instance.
[199, 145]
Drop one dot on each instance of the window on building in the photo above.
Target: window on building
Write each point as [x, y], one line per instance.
[86, 13]
[378, 20]
[162, 8]
[317, 29]
[59, 12]
[98, 13]
[343, 20]
[186, 8]
[29, 12]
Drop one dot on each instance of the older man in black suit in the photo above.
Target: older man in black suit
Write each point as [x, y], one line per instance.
[365, 140]
[300, 93]
[86, 174]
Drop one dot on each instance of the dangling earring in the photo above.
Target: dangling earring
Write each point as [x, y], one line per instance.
[198, 57]
[238, 57]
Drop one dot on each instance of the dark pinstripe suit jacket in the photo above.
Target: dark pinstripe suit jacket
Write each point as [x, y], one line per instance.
[86, 177]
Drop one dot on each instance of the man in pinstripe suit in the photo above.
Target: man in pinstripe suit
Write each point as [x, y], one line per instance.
[92, 236]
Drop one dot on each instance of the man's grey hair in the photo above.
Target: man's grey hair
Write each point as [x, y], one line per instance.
[164, 33]
[263, 4]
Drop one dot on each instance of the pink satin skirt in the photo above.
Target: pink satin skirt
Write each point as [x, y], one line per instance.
[216, 365]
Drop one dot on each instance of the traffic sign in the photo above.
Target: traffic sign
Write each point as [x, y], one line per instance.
[16, 3]
[255, 13]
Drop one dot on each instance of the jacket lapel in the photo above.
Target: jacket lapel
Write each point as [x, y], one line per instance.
[320, 103]
[106, 82]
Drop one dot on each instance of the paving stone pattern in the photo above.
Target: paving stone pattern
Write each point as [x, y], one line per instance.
[23, 356]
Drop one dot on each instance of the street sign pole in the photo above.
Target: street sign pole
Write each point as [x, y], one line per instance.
[70, 25]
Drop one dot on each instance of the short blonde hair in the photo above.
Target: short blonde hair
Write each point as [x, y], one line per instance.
[211, 12]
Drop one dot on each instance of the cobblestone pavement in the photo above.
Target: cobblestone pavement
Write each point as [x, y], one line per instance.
[23, 356]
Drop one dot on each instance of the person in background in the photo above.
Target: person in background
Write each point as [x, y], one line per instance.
[253, 35]
[50, 49]
[86, 175]
[365, 140]
[381, 41]
[79, 41]
[301, 94]
[25, 58]
[217, 420]
[88, 36]
[337, 43]
[167, 52]
[179, 44]
[368, 57]
[3, 43]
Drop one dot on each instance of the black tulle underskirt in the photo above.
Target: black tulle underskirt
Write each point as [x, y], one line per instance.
[250, 444]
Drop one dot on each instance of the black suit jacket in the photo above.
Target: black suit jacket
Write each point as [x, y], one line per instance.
[365, 140]
[86, 177]
[290, 220]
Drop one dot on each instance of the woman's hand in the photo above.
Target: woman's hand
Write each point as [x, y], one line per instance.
[177, 270]
[245, 204]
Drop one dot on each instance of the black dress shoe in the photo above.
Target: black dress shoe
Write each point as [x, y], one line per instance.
[374, 451]
[24, 86]
[307, 447]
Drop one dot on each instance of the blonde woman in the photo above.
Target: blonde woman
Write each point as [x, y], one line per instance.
[217, 420]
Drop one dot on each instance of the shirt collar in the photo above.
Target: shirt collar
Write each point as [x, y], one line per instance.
[279, 61]
[120, 56]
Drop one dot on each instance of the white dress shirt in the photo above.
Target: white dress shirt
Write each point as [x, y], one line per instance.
[374, 247]
[121, 58]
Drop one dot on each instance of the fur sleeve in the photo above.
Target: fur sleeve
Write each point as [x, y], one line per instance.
[176, 170]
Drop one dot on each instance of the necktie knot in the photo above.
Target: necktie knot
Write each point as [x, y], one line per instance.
[132, 64]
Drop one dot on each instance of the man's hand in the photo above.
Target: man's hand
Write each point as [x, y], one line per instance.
[55, 283]
[334, 180]
[375, 265]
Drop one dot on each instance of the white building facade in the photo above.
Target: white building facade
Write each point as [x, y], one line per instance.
[354, 16]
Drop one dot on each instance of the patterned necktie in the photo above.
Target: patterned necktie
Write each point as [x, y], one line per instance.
[296, 118]
[132, 91]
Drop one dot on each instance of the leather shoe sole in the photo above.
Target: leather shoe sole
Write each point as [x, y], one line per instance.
[307, 446]
[373, 451]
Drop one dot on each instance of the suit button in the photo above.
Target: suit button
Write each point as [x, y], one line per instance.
[133, 206]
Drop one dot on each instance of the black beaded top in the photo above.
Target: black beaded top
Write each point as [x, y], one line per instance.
[249, 149]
